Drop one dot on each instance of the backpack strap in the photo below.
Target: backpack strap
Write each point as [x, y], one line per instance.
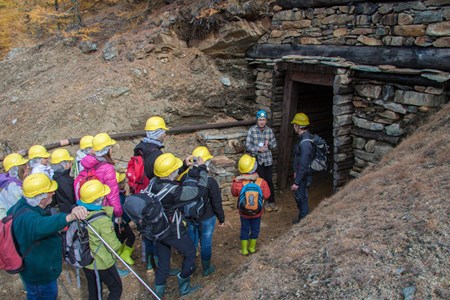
[96, 216]
[16, 213]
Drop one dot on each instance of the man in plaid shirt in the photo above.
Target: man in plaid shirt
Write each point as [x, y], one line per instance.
[260, 141]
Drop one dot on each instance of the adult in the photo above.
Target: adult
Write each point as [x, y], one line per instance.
[36, 233]
[11, 181]
[38, 160]
[203, 229]
[85, 149]
[174, 196]
[303, 156]
[260, 142]
[103, 164]
[61, 163]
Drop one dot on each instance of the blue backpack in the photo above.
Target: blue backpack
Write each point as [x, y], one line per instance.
[250, 201]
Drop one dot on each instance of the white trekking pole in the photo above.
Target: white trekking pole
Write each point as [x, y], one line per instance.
[126, 265]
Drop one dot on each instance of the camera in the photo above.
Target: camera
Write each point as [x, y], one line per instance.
[194, 161]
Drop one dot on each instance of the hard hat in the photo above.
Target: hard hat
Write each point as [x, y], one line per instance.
[38, 151]
[155, 123]
[38, 183]
[101, 141]
[246, 163]
[262, 114]
[13, 160]
[120, 177]
[60, 155]
[202, 152]
[165, 164]
[86, 142]
[92, 190]
[300, 119]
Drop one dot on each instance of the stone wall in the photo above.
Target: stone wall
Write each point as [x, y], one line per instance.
[405, 23]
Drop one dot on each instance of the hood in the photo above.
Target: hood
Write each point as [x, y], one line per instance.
[252, 177]
[89, 161]
[80, 155]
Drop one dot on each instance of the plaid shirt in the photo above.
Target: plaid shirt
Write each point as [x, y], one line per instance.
[256, 138]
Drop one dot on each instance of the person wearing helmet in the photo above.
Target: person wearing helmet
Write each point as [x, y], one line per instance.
[38, 160]
[250, 226]
[303, 156]
[92, 196]
[102, 164]
[61, 163]
[36, 233]
[11, 181]
[260, 142]
[202, 230]
[85, 149]
[166, 171]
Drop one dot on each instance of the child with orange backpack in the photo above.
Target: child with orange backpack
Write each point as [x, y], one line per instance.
[251, 191]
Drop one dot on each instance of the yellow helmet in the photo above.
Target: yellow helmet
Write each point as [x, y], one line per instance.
[202, 152]
[101, 141]
[92, 190]
[38, 151]
[246, 163]
[165, 164]
[13, 160]
[155, 123]
[120, 177]
[300, 119]
[86, 142]
[38, 183]
[60, 155]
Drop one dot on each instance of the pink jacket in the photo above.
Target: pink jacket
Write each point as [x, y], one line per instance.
[107, 175]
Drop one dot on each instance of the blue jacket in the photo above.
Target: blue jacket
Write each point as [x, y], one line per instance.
[37, 229]
[303, 156]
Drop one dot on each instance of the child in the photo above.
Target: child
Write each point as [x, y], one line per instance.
[249, 224]
[123, 231]
[92, 194]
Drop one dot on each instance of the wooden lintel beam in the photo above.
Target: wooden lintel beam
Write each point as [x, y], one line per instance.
[320, 3]
[313, 78]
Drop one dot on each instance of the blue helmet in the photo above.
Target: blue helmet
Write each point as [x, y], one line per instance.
[262, 114]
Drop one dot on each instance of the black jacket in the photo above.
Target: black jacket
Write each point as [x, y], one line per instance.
[150, 153]
[303, 156]
[64, 195]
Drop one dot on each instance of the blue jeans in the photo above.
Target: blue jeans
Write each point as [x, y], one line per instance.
[250, 228]
[203, 231]
[301, 197]
[47, 291]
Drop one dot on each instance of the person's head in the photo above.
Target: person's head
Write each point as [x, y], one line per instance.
[92, 193]
[261, 118]
[102, 146]
[300, 122]
[61, 159]
[155, 128]
[247, 164]
[37, 154]
[15, 165]
[86, 144]
[202, 152]
[166, 166]
[38, 190]
[120, 177]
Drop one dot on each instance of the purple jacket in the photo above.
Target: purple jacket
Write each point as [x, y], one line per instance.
[107, 175]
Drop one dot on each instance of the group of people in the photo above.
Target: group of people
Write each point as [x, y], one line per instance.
[46, 192]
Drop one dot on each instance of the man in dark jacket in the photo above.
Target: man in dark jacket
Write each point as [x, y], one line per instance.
[61, 163]
[37, 235]
[303, 156]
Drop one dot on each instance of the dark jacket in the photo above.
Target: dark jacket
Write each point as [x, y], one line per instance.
[65, 194]
[150, 153]
[303, 156]
[43, 264]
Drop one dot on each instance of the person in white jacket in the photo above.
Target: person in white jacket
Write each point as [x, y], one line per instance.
[39, 160]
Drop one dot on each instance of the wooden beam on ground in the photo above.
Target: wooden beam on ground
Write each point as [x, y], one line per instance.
[320, 3]
[403, 57]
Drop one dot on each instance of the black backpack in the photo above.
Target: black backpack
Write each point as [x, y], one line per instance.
[321, 159]
[75, 242]
[194, 210]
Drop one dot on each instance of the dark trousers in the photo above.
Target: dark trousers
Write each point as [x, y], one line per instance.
[125, 234]
[301, 197]
[110, 277]
[164, 248]
[265, 172]
[250, 228]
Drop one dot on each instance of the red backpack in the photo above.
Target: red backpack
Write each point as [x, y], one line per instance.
[86, 175]
[10, 258]
[136, 175]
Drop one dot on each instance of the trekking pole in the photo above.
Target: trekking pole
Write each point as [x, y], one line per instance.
[125, 264]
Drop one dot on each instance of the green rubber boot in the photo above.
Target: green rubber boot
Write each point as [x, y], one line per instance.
[252, 246]
[184, 285]
[244, 245]
[207, 267]
[126, 255]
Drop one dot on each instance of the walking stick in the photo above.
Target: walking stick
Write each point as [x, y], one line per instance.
[126, 265]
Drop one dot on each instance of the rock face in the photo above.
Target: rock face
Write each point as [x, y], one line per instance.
[233, 39]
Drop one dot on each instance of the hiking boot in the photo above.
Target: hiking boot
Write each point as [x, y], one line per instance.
[267, 207]
[296, 220]
[273, 206]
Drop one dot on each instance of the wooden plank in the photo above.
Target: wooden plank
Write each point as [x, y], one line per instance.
[316, 3]
[313, 78]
